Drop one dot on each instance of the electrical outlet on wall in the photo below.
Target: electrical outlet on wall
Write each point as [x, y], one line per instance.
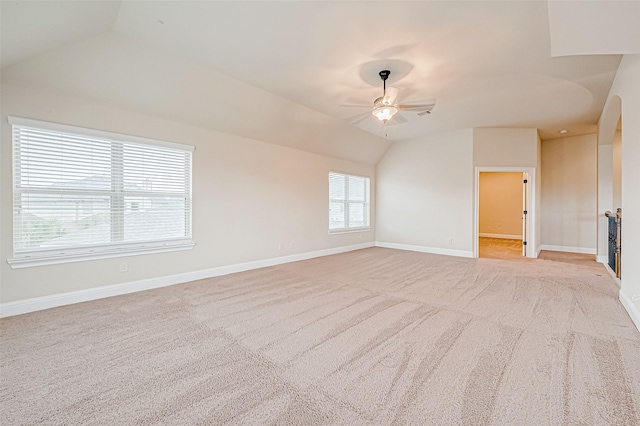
[124, 267]
[450, 240]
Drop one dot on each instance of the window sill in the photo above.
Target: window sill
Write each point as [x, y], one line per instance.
[348, 231]
[95, 254]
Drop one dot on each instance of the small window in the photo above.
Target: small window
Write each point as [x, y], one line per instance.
[348, 202]
[82, 194]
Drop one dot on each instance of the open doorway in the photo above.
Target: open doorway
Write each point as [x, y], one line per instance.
[609, 248]
[504, 213]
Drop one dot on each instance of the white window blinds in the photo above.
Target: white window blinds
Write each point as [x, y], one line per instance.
[79, 192]
[348, 202]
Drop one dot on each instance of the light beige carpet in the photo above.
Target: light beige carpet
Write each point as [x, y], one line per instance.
[376, 336]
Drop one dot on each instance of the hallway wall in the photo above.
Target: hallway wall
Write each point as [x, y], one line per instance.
[569, 194]
[626, 91]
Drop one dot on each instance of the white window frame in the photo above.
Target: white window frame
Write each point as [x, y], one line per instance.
[107, 250]
[366, 204]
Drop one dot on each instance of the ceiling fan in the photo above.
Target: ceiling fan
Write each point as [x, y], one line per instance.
[385, 107]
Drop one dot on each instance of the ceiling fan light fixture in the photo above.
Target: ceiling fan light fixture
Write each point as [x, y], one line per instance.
[385, 112]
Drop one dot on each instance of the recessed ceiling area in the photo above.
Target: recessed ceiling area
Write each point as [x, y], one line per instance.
[594, 27]
[280, 71]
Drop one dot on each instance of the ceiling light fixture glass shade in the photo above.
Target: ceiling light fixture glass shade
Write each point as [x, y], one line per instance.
[384, 113]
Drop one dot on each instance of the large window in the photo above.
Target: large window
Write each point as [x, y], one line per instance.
[80, 193]
[348, 202]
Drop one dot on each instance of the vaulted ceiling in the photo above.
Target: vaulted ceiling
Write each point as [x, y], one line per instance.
[281, 71]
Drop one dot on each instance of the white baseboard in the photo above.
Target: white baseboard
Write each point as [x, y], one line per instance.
[505, 236]
[612, 273]
[631, 308]
[423, 249]
[602, 259]
[39, 303]
[584, 250]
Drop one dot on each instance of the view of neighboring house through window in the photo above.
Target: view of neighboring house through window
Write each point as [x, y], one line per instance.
[348, 202]
[79, 192]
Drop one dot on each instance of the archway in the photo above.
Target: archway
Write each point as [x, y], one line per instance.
[609, 171]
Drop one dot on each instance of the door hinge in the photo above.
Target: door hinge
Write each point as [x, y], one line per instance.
[525, 181]
[524, 243]
[525, 212]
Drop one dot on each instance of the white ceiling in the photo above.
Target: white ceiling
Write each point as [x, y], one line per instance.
[279, 71]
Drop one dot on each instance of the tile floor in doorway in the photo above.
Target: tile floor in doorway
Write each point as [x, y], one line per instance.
[500, 248]
[511, 249]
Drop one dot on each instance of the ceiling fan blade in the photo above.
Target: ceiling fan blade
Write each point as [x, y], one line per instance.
[357, 118]
[390, 95]
[410, 107]
[422, 110]
[396, 120]
[355, 106]
[399, 119]
[426, 104]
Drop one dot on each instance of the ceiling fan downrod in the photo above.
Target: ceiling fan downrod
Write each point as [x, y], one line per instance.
[383, 108]
[384, 75]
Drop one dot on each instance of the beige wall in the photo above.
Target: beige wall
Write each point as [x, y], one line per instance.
[609, 173]
[500, 209]
[425, 193]
[426, 187]
[569, 185]
[248, 198]
[514, 148]
[605, 198]
[538, 197]
[626, 90]
[494, 147]
[617, 170]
